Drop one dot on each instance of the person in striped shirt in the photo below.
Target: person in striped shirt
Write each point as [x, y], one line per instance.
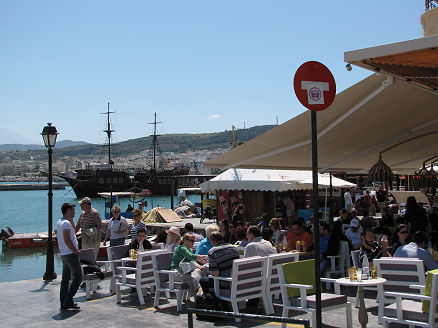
[136, 216]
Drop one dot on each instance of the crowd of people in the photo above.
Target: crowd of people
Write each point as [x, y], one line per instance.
[407, 235]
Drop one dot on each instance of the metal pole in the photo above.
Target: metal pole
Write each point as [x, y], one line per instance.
[172, 192]
[316, 219]
[50, 267]
[109, 160]
[331, 200]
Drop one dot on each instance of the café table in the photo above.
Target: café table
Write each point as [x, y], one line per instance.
[362, 316]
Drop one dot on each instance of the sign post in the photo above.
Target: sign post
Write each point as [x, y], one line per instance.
[315, 88]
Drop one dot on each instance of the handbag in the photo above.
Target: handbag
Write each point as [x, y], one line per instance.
[123, 227]
[91, 235]
[188, 267]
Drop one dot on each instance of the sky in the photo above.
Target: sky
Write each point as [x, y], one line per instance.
[201, 65]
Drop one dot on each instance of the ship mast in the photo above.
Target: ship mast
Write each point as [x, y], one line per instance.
[154, 139]
[110, 162]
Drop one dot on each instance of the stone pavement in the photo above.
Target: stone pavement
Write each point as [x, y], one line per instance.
[34, 303]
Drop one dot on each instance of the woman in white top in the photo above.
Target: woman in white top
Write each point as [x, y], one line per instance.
[117, 228]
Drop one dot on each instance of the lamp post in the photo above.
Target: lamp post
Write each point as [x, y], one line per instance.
[49, 136]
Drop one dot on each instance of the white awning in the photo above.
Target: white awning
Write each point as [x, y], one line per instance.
[269, 180]
[324, 181]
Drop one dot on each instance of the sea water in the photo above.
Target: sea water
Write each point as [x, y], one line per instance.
[27, 211]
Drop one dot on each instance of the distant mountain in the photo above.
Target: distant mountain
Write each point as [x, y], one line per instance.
[12, 137]
[70, 143]
[177, 143]
[60, 144]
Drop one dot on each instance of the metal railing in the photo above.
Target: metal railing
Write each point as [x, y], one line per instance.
[213, 313]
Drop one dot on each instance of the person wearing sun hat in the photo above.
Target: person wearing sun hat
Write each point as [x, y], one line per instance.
[90, 224]
[173, 238]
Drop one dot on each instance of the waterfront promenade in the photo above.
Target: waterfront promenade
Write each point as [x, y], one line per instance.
[30, 186]
[33, 303]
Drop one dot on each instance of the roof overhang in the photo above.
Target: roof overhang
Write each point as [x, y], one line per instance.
[414, 61]
[378, 115]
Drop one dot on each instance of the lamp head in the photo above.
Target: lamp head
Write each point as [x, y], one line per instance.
[348, 67]
[49, 135]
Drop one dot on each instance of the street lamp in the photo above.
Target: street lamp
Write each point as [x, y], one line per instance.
[49, 136]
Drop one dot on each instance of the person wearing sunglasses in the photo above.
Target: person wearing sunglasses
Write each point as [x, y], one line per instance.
[400, 237]
[184, 253]
[137, 223]
[117, 228]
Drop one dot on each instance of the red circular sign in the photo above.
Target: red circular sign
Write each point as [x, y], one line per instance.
[314, 86]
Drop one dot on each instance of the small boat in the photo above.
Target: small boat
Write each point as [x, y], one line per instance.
[32, 240]
[26, 240]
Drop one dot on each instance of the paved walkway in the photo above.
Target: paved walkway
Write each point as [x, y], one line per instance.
[34, 303]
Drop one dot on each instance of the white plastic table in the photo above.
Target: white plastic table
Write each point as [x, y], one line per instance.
[127, 260]
[362, 316]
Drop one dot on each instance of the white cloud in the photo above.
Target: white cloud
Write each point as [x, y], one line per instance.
[214, 116]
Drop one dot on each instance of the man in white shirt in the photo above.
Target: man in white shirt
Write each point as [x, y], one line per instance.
[417, 249]
[257, 246]
[353, 233]
[348, 200]
[71, 266]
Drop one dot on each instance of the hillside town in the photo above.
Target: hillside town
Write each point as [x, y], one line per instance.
[16, 170]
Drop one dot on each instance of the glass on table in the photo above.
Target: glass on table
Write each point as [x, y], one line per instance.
[351, 273]
[359, 274]
[298, 246]
[373, 272]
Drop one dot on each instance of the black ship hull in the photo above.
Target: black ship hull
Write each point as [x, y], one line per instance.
[89, 183]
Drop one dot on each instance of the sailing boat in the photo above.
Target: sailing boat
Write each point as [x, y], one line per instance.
[89, 182]
[161, 181]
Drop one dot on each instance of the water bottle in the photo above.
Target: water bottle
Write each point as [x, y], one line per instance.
[365, 267]
[285, 244]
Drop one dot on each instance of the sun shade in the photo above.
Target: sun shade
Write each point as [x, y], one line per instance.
[365, 119]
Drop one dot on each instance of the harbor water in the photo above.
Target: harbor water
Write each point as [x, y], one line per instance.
[27, 211]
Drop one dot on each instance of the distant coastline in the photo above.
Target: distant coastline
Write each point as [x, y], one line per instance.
[34, 179]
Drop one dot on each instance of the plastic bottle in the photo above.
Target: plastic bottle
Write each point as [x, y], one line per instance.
[285, 245]
[365, 267]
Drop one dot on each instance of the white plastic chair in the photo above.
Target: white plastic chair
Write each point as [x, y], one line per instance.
[307, 303]
[339, 264]
[142, 276]
[92, 279]
[273, 288]
[165, 279]
[115, 253]
[247, 281]
[400, 274]
[408, 308]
